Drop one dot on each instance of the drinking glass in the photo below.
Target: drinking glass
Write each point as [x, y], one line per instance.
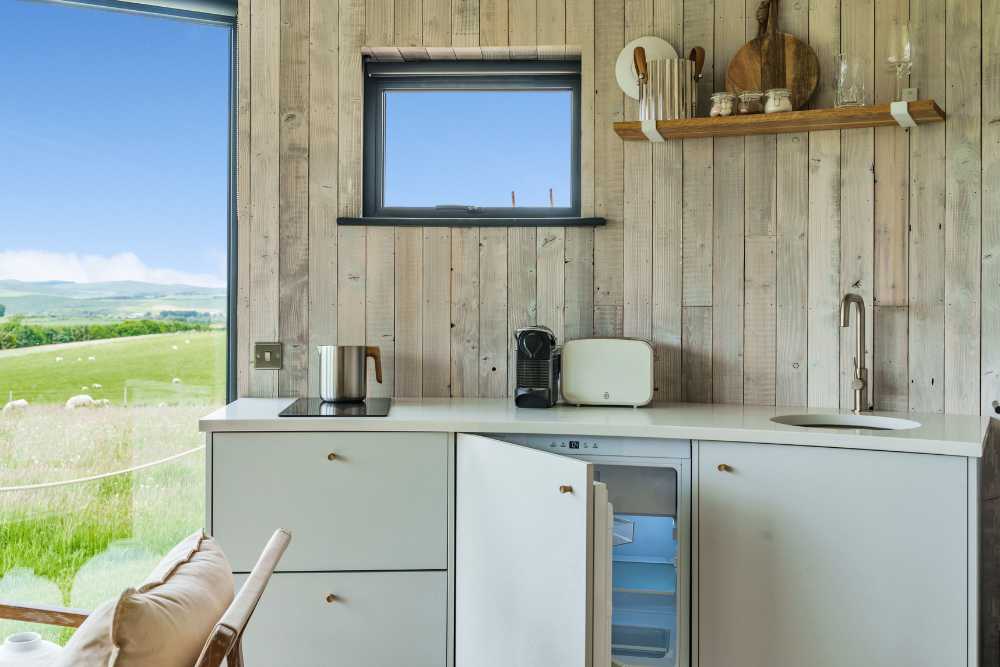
[900, 54]
[850, 81]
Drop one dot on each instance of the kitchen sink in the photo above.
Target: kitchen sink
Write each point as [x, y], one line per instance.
[849, 421]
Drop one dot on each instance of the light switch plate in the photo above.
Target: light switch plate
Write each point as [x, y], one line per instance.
[267, 356]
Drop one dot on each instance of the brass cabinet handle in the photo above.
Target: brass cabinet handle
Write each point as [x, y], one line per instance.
[331, 456]
[724, 467]
[330, 598]
[565, 488]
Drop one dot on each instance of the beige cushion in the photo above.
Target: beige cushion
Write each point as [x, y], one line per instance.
[164, 622]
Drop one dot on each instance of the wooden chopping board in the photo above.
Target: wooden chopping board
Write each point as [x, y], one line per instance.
[774, 59]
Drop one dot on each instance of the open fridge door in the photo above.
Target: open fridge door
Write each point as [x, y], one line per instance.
[604, 520]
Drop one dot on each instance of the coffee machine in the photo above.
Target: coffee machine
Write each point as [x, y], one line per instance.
[538, 364]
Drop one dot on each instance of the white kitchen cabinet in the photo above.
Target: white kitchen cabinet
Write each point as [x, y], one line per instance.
[375, 619]
[524, 562]
[352, 501]
[831, 557]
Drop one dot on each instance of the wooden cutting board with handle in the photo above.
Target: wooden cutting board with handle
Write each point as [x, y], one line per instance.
[774, 59]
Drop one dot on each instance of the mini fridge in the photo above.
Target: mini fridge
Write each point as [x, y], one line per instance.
[648, 490]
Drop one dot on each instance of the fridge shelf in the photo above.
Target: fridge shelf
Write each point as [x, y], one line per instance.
[651, 578]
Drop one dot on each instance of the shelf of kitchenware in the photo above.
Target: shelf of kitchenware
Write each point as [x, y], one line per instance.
[903, 114]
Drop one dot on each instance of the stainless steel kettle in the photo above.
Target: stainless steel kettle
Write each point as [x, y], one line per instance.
[343, 372]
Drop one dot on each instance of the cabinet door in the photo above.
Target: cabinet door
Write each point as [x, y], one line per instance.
[352, 501]
[523, 556]
[828, 557]
[375, 619]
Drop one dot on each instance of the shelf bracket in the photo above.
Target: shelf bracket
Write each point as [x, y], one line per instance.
[649, 129]
[901, 113]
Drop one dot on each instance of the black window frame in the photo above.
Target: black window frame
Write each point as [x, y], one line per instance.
[463, 75]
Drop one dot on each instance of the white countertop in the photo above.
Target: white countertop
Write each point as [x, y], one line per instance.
[955, 435]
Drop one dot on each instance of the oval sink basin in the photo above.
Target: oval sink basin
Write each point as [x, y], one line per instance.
[871, 422]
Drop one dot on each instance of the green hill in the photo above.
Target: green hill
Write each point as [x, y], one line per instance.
[146, 366]
[74, 302]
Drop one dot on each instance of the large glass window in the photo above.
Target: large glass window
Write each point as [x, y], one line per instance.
[115, 182]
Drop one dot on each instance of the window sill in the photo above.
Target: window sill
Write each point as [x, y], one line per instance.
[473, 222]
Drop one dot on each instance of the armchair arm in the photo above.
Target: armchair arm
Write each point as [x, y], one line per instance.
[33, 613]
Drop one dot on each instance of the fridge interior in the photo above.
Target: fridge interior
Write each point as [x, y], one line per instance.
[644, 564]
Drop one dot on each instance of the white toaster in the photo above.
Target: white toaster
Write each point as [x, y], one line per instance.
[607, 371]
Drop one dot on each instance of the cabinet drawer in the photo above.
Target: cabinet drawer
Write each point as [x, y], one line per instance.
[376, 619]
[352, 501]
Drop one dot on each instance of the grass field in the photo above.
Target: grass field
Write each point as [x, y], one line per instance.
[146, 366]
[83, 543]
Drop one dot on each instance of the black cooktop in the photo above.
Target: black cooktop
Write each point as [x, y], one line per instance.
[314, 407]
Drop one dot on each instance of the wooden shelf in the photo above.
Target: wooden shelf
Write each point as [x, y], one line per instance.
[922, 111]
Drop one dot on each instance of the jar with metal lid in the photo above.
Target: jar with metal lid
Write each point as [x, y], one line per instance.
[751, 101]
[723, 104]
[778, 100]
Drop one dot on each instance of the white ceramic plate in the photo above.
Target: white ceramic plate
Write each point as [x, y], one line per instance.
[628, 79]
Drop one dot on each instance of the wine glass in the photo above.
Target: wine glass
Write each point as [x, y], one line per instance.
[900, 54]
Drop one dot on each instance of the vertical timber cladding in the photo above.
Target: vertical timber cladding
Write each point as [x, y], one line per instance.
[730, 255]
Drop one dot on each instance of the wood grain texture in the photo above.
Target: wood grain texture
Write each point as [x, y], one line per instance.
[733, 269]
[728, 225]
[963, 207]
[638, 202]
[264, 140]
[436, 313]
[792, 270]
[351, 242]
[990, 369]
[892, 164]
[380, 242]
[823, 333]
[698, 165]
[798, 70]
[323, 156]
[293, 199]
[550, 242]
[811, 120]
[244, 226]
[465, 298]
[696, 333]
[857, 194]
[889, 387]
[578, 317]
[493, 347]
[609, 271]
[927, 217]
[667, 241]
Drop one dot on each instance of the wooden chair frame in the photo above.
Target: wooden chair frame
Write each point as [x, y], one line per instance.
[226, 639]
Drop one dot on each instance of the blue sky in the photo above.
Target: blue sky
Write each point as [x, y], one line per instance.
[473, 148]
[113, 143]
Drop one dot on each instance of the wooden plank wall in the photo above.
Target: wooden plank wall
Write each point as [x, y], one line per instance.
[730, 255]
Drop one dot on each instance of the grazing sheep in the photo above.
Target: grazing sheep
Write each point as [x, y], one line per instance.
[59, 358]
[97, 386]
[84, 388]
[91, 358]
[187, 341]
[176, 380]
[80, 401]
[174, 348]
[19, 404]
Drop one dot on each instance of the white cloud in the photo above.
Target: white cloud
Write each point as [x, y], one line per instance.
[36, 265]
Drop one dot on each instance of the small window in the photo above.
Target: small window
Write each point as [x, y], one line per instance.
[478, 140]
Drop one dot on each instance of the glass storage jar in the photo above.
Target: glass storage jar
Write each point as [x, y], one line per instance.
[751, 101]
[723, 104]
[778, 100]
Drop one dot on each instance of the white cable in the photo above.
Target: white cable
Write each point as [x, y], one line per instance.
[49, 485]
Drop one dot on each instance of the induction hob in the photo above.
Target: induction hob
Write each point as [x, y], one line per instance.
[315, 407]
